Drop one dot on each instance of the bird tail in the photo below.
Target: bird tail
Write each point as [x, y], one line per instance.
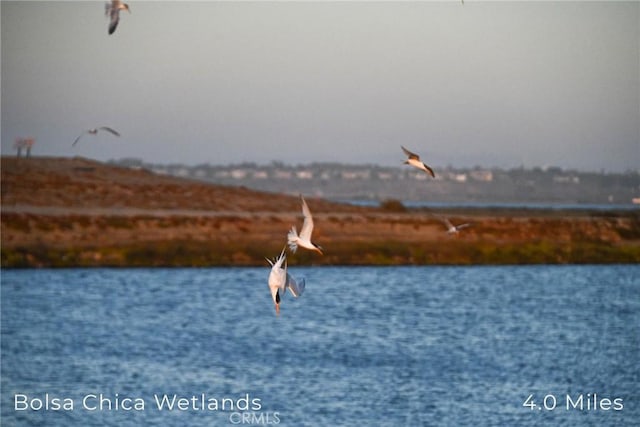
[279, 260]
[282, 259]
[292, 239]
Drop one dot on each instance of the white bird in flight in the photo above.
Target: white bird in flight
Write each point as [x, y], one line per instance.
[280, 280]
[454, 229]
[304, 238]
[414, 160]
[113, 11]
[94, 132]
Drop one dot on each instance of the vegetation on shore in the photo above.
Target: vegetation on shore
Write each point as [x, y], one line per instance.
[77, 213]
[32, 240]
[203, 254]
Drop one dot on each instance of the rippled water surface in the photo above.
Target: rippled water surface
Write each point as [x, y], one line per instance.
[362, 347]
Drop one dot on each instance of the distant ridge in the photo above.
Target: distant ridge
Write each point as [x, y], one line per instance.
[62, 212]
[82, 183]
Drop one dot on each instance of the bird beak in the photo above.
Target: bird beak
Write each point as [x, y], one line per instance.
[277, 309]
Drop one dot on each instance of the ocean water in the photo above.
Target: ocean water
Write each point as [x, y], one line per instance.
[364, 346]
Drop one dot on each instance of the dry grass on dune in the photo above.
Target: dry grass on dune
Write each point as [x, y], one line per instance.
[77, 212]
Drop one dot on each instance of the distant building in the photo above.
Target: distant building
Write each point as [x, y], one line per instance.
[351, 174]
[181, 172]
[282, 174]
[564, 179]
[481, 175]
[459, 177]
[304, 174]
[238, 174]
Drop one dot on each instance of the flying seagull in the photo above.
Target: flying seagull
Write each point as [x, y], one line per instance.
[454, 229]
[95, 131]
[304, 238]
[414, 160]
[113, 11]
[280, 280]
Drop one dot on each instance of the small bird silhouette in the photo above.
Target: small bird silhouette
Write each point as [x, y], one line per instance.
[94, 132]
[113, 11]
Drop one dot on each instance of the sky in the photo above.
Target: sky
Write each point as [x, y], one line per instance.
[492, 84]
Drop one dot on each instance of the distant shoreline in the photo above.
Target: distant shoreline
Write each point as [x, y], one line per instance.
[525, 206]
[78, 213]
[451, 185]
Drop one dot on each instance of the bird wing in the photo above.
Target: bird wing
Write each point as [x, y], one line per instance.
[307, 225]
[447, 223]
[77, 139]
[296, 288]
[465, 225]
[410, 154]
[115, 17]
[108, 129]
[433, 175]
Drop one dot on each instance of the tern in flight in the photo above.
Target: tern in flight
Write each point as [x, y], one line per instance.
[94, 132]
[304, 238]
[454, 229]
[414, 160]
[113, 11]
[280, 280]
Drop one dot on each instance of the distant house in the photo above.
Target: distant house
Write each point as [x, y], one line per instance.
[355, 174]
[282, 174]
[304, 174]
[481, 175]
[325, 175]
[238, 174]
[565, 179]
[182, 172]
[459, 177]
[160, 171]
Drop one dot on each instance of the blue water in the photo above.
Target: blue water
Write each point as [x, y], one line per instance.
[394, 346]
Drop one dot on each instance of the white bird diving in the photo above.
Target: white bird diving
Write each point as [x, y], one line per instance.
[280, 280]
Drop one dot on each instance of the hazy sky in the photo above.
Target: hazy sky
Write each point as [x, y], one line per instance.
[488, 83]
